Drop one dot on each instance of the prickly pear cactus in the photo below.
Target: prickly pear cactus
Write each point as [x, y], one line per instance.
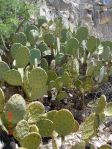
[101, 105]
[88, 130]
[31, 141]
[22, 57]
[92, 44]
[22, 129]
[3, 68]
[41, 20]
[82, 34]
[71, 46]
[32, 36]
[2, 100]
[44, 64]
[34, 128]
[51, 114]
[20, 38]
[49, 39]
[46, 127]
[64, 122]
[35, 109]
[17, 107]
[42, 46]
[35, 54]
[29, 28]
[13, 77]
[37, 78]
[14, 49]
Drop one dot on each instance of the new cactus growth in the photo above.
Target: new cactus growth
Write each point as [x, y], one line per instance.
[3, 68]
[31, 141]
[13, 77]
[34, 109]
[2, 100]
[22, 129]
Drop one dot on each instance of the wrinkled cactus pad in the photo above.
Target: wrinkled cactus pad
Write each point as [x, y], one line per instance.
[22, 129]
[31, 141]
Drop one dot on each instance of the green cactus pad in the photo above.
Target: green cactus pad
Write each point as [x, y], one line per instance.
[41, 20]
[22, 57]
[17, 107]
[35, 54]
[82, 33]
[13, 77]
[14, 49]
[32, 36]
[64, 122]
[34, 128]
[43, 46]
[30, 27]
[71, 46]
[49, 39]
[3, 68]
[46, 127]
[37, 77]
[20, 38]
[88, 130]
[108, 109]
[92, 44]
[31, 141]
[38, 92]
[105, 147]
[44, 64]
[101, 105]
[2, 100]
[22, 129]
[34, 109]
[51, 75]
[51, 115]
[67, 81]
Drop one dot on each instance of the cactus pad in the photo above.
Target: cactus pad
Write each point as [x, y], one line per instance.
[49, 39]
[17, 106]
[37, 78]
[35, 54]
[31, 141]
[101, 105]
[71, 46]
[64, 122]
[82, 33]
[105, 147]
[22, 57]
[108, 109]
[46, 127]
[2, 100]
[13, 77]
[41, 20]
[20, 38]
[34, 109]
[32, 36]
[22, 129]
[44, 64]
[14, 48]
[51, 115]
[3, 68]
